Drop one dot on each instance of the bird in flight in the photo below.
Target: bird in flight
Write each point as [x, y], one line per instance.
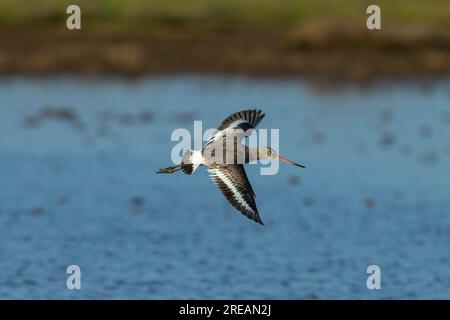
[224, 155]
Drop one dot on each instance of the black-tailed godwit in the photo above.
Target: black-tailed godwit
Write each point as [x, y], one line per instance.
[230, 176]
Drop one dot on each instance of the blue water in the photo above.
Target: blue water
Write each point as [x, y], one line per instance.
[77, 186]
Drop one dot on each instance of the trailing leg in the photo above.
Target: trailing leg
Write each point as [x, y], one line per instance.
[169, 169]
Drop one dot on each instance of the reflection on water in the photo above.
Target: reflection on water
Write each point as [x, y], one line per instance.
[77, 163]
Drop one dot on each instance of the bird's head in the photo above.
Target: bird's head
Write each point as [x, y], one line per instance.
[266, 153]
[269, 153]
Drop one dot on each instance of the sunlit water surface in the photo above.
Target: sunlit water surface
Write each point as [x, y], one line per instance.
[78, 186]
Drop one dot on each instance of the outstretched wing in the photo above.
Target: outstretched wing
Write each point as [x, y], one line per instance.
[247, 119]
[232, 181]
[241, 123]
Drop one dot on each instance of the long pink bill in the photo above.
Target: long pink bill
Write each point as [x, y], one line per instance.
[290, 162]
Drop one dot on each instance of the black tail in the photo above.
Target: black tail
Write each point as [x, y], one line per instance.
[169, 169]
[186, 165]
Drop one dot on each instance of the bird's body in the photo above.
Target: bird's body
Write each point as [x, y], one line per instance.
[224, 155]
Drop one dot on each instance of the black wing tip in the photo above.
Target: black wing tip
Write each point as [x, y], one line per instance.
[252, 215]
[255, 217]
[252, 115]
[251, 110]
[258, 115]
[257, 220]
[256, 110]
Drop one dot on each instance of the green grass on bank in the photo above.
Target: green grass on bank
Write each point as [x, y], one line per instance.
[238, 11]
[268, 13]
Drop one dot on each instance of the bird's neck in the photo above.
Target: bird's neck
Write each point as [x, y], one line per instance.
[252, 154]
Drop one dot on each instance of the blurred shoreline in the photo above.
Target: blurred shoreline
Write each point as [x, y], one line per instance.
[323, 39]
[335, 54]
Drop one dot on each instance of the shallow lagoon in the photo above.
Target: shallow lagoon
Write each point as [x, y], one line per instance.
[77, 163]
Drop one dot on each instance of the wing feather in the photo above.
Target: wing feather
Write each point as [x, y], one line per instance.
[233, 182]
[244, 120]
[251, 117]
